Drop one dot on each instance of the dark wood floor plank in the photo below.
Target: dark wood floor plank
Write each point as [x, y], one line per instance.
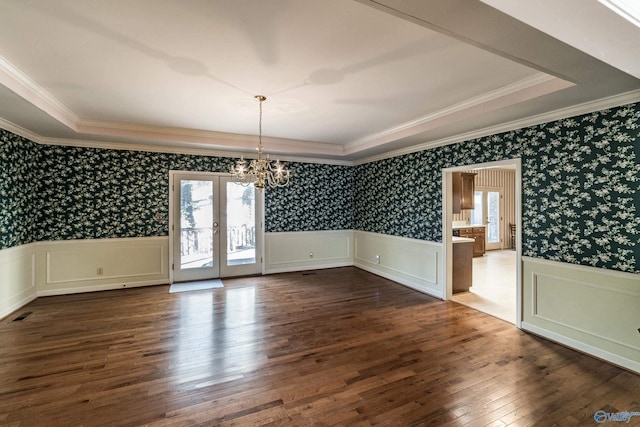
[335, 347]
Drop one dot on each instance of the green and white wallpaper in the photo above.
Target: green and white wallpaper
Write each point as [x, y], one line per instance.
[580, 177]
[18, 166]
[319, 197]
[61, 193]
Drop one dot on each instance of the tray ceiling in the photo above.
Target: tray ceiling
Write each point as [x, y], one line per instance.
[344, 80]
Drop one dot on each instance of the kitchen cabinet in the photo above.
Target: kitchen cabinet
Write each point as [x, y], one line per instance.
[462, 274]
[477, 233]
[462, 190]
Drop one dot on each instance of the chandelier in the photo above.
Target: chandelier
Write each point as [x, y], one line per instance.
[261, 171]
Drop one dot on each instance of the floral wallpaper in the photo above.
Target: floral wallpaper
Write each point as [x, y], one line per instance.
[17, 176]
[319, 197]
[50, 192]
[89, 193]
[580, 179]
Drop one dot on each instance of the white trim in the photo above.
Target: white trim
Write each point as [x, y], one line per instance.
[212, 138]
[18, 305]
[402, 281]
[528, 88]
[23, 86]
[627, 9]
[581, 267]
[292, 247]
[19, 130]
[93, 241]
[431, 285]
[177, 148]
[401, 239]
[563, 113]
[308, 267]
[95, 288]
[582, 347]
[447, 235]
[582, 283]
[535, 313]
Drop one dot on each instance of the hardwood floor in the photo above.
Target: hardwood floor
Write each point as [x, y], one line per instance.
[331, 347]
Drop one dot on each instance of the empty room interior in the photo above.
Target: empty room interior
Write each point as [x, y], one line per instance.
[347, 212]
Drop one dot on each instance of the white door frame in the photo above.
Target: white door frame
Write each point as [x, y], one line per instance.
[485, 216]
[447, 235]
[259, 215]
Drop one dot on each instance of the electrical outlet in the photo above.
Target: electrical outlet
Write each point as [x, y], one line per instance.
[100, 271]
[310, 254]
[377, 259]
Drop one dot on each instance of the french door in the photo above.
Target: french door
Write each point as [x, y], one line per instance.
[487, 211]
[215, 227]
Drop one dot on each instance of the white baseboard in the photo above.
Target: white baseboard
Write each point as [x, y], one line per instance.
[401, 280]
[410, 262]
[613, 358]
[16, 306]
[310, 266]
[97, 288]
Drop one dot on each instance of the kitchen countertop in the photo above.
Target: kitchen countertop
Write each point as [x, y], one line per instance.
[458, 227]
[457, 239]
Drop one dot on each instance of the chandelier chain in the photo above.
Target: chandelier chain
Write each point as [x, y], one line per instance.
[263, 171]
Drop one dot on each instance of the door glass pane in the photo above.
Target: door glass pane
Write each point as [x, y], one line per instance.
[196, 224]
[241, 224]
[493, 212]
[476, 213]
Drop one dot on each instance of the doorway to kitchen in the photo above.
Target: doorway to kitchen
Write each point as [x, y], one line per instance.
[494, 284]
[215, 227]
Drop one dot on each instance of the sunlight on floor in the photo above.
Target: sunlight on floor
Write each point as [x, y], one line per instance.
[494, 285]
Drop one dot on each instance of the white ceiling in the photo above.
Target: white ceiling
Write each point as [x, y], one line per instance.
[345, 80]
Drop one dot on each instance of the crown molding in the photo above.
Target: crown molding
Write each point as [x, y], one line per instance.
[563, 113]
[525, 89]
[210, 138]
[19, 130]
[584, 108]
[23, 86]
[123, 146]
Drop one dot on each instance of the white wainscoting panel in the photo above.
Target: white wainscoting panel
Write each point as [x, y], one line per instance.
[307, 250]
[17, 278]
[91, 265]
[594, 310]
[411, 262]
